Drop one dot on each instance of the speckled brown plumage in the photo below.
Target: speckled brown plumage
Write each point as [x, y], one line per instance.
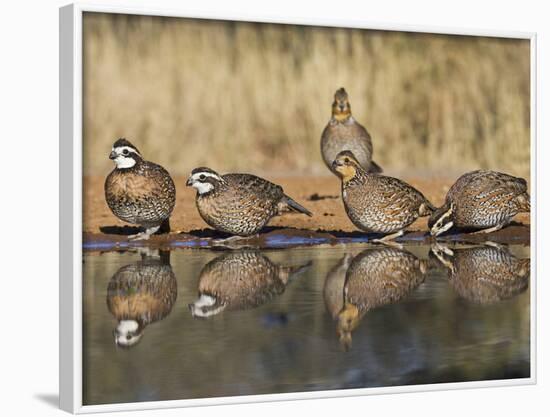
[144, 292]
[374, 278]
[239, 204]
[480, 200]
[484, 274]
[240, 280]
[377, 203]
[333, 289]
[143, 194]
[381, 276]
[343, 132]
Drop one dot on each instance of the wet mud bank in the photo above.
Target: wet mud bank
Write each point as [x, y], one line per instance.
[284, 238]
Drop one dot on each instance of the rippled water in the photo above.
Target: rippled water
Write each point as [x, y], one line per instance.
[195, 323]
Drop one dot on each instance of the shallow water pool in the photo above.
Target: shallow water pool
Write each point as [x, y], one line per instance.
[195, 323]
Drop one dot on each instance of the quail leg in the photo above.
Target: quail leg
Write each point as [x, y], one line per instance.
[490, 229]
[495, 245]
[232, 241]
[145, 235]
[388, 239]
[147, 252]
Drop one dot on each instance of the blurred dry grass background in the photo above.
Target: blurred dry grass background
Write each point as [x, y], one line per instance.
[255, 97]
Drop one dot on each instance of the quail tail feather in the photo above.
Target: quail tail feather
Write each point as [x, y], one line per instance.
[426, 209]
[374, 168]
[295, 206]
[289, 273]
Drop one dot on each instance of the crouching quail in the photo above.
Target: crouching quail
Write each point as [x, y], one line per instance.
[140, 294]
[481, 200]
[240, 281]
[239, 204]
[377, 203]
[484, 274]
[372, 279]
[138, 191]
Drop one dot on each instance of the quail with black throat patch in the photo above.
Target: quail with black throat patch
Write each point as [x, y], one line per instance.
[140, 294]
[138, 191]
[239, 204]
[239, 281]
[377, 203]
[481, 200]
[343, 132]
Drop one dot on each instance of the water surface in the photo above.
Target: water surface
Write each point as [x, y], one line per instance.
[195, 323]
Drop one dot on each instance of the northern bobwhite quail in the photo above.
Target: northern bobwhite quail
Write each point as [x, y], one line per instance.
[239, 281]
[140, 294]
[375, 277]
[138, 191]
[239, 204]
[333, 289]
[481, 200]
[343, 132]
[484, 274]
[377, 203]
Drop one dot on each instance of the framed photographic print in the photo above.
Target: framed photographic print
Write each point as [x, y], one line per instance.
[264, 210]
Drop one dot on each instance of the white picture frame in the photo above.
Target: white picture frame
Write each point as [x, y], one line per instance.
[70, 261]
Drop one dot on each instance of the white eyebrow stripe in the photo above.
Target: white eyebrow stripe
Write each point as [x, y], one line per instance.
[197, 175]
[120, 149]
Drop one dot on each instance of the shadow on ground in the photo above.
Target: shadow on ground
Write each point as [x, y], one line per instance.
[120, 230]
[277, 237]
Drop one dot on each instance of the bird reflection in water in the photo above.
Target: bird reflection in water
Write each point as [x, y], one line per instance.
[373, 278]
[141, 293]
[484, 274]
[239, 281]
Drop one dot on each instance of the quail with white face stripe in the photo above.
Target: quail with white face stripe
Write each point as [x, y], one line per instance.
[483, 274]
[481, 200]
[140, 294]
[239, 281]
[138, 191]
[238, 204]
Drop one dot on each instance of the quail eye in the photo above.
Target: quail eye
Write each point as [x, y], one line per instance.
[125, 152]
[202, 177]
[346, 160]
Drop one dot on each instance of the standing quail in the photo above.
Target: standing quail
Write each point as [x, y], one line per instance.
[140, 294]
[377, 203]
[374, 278]
[239, 281]
[484, 274]
[481, 200]
[343, 132]
[238, 204]
[138, 191]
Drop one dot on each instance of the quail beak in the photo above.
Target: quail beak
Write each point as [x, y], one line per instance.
[189, 182]
[112, 155]
[336, 164]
